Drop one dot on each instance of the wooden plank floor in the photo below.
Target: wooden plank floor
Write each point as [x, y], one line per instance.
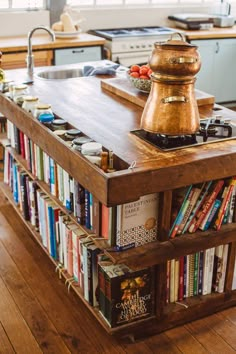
[37, 315]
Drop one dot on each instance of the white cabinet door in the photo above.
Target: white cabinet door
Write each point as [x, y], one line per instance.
[217, 75]
[77, 55]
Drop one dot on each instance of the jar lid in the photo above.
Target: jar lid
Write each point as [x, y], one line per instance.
[82, 140]
[73, 132]
[20, 87]
[43, 106]
[45, 117]
[92, 148]
[30, 98]
[172, 43]
[58, 121]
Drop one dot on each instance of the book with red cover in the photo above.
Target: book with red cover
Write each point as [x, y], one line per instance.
[216, 188]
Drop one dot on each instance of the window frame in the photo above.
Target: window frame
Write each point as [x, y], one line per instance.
[11, 8]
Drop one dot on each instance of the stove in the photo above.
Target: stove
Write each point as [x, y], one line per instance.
[133, 45]
[211, 130]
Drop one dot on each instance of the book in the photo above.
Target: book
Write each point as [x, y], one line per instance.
[129, 294]
[203, 193]
[196, 272]
[228, 190]
[190, 203]
[217, 270]
[180, 202]
[202, 212]
[210, 217]
[221, 283]
[234, 277]
[137, 221]
[108, 223]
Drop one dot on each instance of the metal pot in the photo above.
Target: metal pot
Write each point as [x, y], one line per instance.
[171, 108]
[175, 57]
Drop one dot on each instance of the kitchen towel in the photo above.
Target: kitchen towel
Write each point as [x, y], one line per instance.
[108, 69]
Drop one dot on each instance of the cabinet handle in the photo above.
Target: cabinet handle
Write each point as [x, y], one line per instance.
[217, 47]
[78, 51]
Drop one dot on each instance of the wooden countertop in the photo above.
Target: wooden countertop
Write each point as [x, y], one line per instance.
[42, 42]
[108, 119]
[215, 32]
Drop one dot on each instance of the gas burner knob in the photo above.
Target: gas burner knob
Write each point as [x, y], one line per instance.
[143, 46]
[137, 46]
[131, 47]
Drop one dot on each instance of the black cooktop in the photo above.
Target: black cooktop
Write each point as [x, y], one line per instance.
[132, 32]
[211, 130]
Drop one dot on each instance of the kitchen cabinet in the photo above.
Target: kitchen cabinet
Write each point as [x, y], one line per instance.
[18, 60]
[153, 171]
[77, 55]
[218, 71]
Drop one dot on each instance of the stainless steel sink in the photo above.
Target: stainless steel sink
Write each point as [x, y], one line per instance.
[60, 74]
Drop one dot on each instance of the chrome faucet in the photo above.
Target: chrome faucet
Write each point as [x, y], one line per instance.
[30, 56]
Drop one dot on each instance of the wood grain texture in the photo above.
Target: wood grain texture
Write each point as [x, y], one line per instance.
[5, 346]
[18, 331]
[108, 120]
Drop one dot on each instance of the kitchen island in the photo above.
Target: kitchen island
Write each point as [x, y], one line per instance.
[109, 119]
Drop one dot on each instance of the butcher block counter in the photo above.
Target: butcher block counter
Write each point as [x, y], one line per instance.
[215, 32]
[108, 119]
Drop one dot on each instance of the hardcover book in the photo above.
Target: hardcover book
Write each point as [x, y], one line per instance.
[137, 221]
[129, 295]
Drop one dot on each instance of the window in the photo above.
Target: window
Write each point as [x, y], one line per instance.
[23, 4]
[110, 3]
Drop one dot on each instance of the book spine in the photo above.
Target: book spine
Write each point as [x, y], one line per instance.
[207, 205]
[181, 279]
[226, 198]
[196, 271]
[179, 218]
[200, 272]
[221, 284]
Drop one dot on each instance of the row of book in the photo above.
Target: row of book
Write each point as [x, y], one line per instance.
[124, 226]
[197, 274]
[127, 295]
[202, 206]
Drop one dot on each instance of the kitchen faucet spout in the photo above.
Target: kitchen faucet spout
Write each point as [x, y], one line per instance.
[30, 56]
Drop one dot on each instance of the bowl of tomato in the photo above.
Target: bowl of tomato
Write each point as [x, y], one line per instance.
[140, 77]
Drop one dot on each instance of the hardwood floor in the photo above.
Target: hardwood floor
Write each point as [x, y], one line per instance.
[38, 315]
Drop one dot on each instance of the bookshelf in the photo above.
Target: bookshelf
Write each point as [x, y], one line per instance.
[154, 172]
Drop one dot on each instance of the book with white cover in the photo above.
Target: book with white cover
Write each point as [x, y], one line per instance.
[137, 221]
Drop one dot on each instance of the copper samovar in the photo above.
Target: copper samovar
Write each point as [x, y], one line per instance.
[171, 108]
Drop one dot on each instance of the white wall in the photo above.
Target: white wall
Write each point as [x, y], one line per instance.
[20, 23]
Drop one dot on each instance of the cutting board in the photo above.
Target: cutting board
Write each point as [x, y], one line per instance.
[122, 87]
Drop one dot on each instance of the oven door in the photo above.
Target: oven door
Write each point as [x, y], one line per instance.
[128, 59]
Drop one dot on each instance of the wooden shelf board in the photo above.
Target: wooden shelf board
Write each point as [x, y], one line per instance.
[159, 252]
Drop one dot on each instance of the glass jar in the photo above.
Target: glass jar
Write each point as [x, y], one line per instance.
[29, 103]
[71, 134]
[43, 112]
[78, 142]
[59, 124]
[19, 92]
[91, 149]
[60, 133]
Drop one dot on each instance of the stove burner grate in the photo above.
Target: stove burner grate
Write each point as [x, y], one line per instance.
[211, 130]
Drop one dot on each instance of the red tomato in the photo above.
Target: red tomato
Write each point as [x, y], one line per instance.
[144, 77]
[149, 73]
[143, 70]
[135, 68]
[134, 74]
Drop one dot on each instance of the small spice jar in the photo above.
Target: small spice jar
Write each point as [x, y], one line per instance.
[59, 124]
[92, 149]
[71, 134]
[43, 111]
[60, 133]
[78, 142]
[29, 103]
[19, 92]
